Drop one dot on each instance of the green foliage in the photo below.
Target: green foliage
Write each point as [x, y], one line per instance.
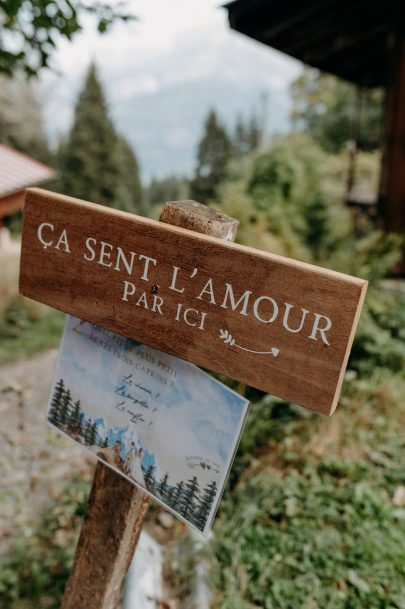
[222, 156]
[310, 519]
[326, 537]
[31, 28]
[246, 138]
[95, 163]
[21, 124]
[324, 107]
[129, 194]
[26, 329]
[285, 184]
[379, 341]
[254, 227]
[213, 156]
[39, 564]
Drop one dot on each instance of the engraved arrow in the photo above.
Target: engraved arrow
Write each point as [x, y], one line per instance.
[228, 339]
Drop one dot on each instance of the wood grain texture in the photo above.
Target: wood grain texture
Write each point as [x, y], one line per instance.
[107, 541]
[199, 218]
[309, 366]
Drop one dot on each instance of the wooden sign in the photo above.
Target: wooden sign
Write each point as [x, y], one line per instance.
[282, 326]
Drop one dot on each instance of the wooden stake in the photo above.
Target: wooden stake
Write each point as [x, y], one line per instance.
[117, 508]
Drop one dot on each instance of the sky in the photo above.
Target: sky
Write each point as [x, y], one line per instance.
[163, 72]
[195, 417]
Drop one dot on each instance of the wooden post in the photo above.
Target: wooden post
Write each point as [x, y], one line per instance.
[392, 185]
[117, 508]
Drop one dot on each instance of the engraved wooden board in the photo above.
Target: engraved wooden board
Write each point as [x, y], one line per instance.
[277, 324]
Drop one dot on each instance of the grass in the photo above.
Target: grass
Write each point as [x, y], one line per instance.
[310, 521]
[22, 333]
[35, 574]
[26, 327]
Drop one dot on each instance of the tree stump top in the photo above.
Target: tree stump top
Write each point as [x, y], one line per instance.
[200, 218]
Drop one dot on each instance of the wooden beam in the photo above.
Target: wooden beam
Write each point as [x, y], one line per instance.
[392, 189]
[395, 210]
[318, 32]
[265, 20]
[117, 508]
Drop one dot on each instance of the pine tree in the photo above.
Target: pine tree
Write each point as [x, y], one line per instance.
[246, 138]
[189, 496]
[129, 194]
[162, 487]
[93, 434]
[74, 423]
[95, 163]
[239, 139]
[149, 477]
[177, 496]
[169, 495]
[87, 432]
[253, 134]
[104, 444]
[66, 406]
[55, 408]
[205, 504]
[213, 156]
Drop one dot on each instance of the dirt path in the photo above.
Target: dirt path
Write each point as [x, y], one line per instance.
[35, 462]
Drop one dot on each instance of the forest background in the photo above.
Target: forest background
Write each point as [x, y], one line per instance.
[314, 512]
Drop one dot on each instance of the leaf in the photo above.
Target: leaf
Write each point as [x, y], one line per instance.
[354, 578]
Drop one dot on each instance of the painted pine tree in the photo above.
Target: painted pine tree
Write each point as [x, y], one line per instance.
[149, 477]
[177, 496]
[169, 495]
[55, 409]
[87, 432]
[190, 496]
[74, 423]
[66, 407]
[93, 434]
[205, 504]
[162, 487]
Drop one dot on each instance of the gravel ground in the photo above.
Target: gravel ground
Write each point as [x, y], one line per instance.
[35, 461]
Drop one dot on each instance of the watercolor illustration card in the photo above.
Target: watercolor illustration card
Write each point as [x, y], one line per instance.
[161, 422]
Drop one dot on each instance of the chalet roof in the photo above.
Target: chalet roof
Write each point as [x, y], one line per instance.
[18, 171]
[349, 38]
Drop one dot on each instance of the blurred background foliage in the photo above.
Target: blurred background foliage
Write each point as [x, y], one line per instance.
[30, 29]
[313, 516]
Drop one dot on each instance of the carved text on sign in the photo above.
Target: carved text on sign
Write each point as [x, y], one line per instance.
[277, 324]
